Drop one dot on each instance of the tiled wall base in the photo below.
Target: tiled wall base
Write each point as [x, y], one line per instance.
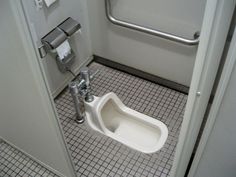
[14, 163]
[97, 155]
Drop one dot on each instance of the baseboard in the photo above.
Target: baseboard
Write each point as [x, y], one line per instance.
[158, 80]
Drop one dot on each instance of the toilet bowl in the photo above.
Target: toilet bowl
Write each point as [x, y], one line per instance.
[109, 116]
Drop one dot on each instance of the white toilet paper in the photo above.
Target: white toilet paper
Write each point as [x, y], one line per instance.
[63, 50]
[49, 2]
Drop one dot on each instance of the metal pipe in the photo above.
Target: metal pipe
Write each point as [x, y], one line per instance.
[85, 75]
[78, 101]
[143, 29]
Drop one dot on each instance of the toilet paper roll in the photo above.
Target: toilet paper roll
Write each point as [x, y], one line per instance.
[49, 2]
[63, 50]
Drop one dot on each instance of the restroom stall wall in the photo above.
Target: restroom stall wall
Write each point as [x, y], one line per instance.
[41, 21]
[219, 157]
[26, 117]
[154, 55]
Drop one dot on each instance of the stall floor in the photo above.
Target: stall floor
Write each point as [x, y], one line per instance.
[97, 155]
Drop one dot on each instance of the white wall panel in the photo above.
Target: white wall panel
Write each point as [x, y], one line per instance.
[44, 20]
[219, 157]
[151, 54]
[26, 116]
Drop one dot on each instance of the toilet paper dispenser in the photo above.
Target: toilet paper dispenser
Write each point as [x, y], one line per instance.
[56, 41]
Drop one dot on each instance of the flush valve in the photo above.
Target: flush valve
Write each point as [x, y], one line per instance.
[81, 91]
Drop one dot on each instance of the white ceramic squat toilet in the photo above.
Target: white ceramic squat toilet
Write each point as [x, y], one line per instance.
[108, 115]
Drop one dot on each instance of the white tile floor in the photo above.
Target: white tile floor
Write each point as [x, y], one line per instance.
[98, 155]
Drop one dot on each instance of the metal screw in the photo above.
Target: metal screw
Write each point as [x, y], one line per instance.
[198, 93]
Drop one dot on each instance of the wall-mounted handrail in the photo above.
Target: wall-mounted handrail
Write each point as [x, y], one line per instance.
[154, 32]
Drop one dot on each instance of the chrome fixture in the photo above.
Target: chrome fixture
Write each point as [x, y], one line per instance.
[84, 72]
[164, 35]
[81, 91]
[58, 35]
[55, 38]
[78, 101]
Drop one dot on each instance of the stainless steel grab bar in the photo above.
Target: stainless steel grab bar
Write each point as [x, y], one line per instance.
[158, 33]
